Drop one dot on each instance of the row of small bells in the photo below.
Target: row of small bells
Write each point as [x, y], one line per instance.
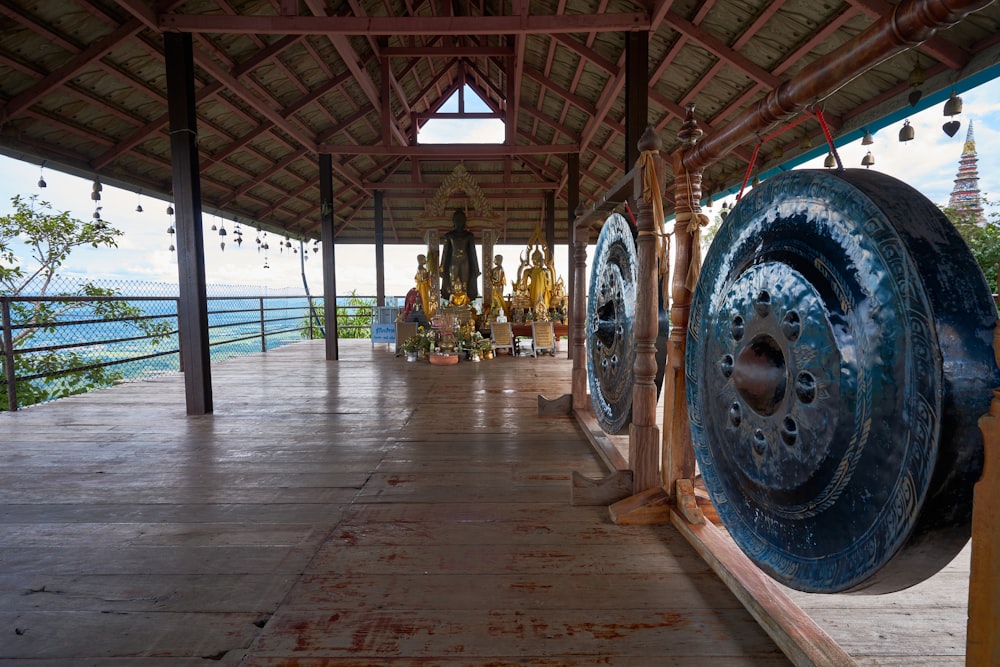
[262, 244]
[952, 107]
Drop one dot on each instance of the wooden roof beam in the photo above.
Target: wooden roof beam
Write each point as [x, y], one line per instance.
[446, 51]
[423, 186]
[514, 68]
[276, 167]
[322, 24]
[570, 97]
[721, 50]
[347, 53]
[936, 47]
[144, 132]
[586, 53]
[911, 23]
[69, 69]
[219, 73]
[468, 151]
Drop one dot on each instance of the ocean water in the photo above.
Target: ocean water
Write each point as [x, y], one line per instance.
[235, 329]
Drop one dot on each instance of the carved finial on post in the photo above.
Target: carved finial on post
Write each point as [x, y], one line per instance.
[689, 133]
[650, 140]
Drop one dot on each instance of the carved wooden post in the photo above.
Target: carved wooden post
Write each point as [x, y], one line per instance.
[983, 637]
[644, 434]
[578, 301]
[678, 454]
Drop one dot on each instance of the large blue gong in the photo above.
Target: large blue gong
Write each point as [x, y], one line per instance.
[610, 326]
[839, 356]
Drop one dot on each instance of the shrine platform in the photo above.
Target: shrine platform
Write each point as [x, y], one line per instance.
[369, 511]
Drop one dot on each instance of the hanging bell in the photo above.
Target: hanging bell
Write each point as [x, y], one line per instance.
[171, 230]
[708, 202]
[953, 106]
[41, 182]
[830, 162]
[867, 140]
[170, 209]
[95, 195]
[138, 208]
[222, 245]
[96, 187]
[906, 132]
[867, 160]
[222, 230]
[172, 248]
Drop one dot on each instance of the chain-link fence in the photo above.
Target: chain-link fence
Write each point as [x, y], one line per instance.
[96, 334]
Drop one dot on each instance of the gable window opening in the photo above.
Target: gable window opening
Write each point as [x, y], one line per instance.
[462, 119]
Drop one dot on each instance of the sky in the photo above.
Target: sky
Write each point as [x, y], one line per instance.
[929, 163]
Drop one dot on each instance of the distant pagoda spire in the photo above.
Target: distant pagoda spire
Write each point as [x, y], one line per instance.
[965, 197]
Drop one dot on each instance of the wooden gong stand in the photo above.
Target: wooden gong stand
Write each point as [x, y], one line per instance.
[661, 485]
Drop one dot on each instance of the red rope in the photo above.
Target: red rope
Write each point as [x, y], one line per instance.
[829, 138]
[785, 128]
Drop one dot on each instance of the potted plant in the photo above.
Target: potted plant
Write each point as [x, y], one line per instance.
[411, 346]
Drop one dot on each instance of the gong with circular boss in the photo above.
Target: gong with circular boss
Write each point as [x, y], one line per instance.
[839, 356]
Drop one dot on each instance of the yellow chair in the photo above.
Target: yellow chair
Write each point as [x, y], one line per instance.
[503, 337]
[542, 338]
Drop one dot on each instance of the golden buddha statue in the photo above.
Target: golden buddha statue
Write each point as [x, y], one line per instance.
[540, 282]
[423, 280]
[498, 279]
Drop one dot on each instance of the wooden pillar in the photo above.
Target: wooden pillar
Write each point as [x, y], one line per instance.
[487, 249]
[192, 311]
[572, 204]
[644, 434]
[678, 453]
[379, 248]
[578, 303]
[550, 225]
[329, 256]
[983, 636]
[636, 93]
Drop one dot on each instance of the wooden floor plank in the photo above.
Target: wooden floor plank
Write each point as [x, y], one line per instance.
[367, 512]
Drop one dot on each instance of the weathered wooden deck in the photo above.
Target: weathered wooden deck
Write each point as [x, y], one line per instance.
[368, 512]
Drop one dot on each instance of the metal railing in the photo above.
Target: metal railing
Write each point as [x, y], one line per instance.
[58, 346]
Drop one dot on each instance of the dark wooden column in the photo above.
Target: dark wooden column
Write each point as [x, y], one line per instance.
[192, 310]
[572, 204]
[329, 256]
[636, 93]
[581, 239]
[550, 224]
[379, 248]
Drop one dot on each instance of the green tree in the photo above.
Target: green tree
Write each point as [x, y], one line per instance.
[354, 318]
[50, 238]
[983, 239]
